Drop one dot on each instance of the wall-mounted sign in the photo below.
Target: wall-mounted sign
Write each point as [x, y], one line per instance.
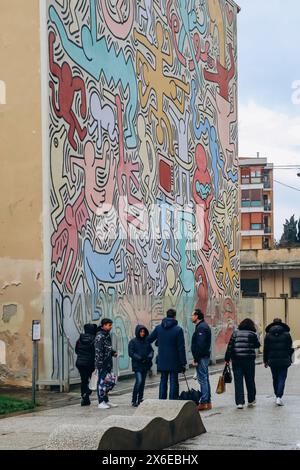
[36, 330]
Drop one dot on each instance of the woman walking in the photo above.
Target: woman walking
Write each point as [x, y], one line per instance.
[141, 353]
[278, 353]
[241, 351]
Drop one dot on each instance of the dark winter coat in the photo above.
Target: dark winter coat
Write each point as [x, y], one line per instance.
[201, 341]
[242, 345]
[278, 345]
[171, 348]
[103, 351]
[85, 347]
[140, 351]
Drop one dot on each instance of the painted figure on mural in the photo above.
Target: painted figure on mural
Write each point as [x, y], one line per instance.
[98, 199]
[65, 241]
[68, 85]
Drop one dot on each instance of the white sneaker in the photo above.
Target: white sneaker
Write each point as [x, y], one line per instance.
[103, 406]
[252, 404]
[112, 405]
[240, 407]
[279, 402]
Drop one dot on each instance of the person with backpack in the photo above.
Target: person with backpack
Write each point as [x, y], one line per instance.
[241, 351]
[85, 363]
[201, 350]
[278, 353]
[103, 363]
[171, 359]
[141, 353]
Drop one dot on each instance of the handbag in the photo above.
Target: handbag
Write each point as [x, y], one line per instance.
[93, 380]
[221, 388]
[227, 374]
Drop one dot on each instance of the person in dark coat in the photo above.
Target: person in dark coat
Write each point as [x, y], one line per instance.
[103, 362]
[171, 359]
[241, 350]
[141, 353]
[85, 363]
[278, 355]
[201, 349]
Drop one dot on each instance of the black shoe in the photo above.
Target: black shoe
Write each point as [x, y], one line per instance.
[140, 401]
[135, 405]
[85, 401]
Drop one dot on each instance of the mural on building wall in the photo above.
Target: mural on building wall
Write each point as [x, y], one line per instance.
[143, 161]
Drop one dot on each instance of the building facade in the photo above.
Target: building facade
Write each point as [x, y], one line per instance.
[135, 176]
[257, 204]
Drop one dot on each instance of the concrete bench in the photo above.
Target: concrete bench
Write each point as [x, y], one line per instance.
[156, 424]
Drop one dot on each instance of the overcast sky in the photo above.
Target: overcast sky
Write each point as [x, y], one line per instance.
[269, 65]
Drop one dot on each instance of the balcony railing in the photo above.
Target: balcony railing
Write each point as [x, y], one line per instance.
[267, 207]
[248, 203]
[253, 180]
[268, 229]
[267, 184]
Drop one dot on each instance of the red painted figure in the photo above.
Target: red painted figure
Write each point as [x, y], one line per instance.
[203, 194]
[223, 75]
[67, 88]
[65, 240]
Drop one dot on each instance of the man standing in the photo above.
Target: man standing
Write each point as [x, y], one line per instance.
[278, 355]
[103, 363]
[201, 349]
[171, 357]
[85, 363]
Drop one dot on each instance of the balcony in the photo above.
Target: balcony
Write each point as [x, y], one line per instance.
[268, 230]
[267, 207]
[267, 184]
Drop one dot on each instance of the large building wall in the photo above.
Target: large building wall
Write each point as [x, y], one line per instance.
[142, 149]
[21, 262]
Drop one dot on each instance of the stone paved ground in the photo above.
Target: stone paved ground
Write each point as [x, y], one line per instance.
[264, 427]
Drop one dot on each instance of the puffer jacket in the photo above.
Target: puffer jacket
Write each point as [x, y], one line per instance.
[85, 347]
[103, 351]
[242, 345]
[169, 338]
[140, 351]
[278, 345]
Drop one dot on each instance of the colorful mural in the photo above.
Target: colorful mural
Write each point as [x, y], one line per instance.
[143, 160]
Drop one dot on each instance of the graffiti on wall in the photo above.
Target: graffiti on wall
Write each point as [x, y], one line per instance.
[143, 162]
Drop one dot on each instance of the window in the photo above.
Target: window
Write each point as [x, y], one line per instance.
[250, 287]
[295, 287]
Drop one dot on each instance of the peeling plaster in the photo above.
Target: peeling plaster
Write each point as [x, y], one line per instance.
[9, 311]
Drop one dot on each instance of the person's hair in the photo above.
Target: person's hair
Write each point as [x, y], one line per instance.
[199, 313]
[171, 313]
[277, 320]
[105, 321]
[247, 324]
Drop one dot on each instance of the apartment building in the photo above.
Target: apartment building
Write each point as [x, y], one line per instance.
[256, 203]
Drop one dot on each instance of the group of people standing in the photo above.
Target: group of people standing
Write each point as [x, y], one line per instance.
[94, 352]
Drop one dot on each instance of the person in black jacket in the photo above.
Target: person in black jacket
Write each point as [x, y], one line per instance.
[241, 350]
[85, 363]
[201, 349]
[278, 355]
[141, 353]
[171, 357]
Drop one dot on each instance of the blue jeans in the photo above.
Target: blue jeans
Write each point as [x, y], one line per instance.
[279, 378]
[203, 379]
[138, 391]
[174, 386]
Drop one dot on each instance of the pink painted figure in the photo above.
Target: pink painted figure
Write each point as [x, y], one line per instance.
[68, 85]
[203, 194]
[126, 177]
[65, 240]
[99, 200]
